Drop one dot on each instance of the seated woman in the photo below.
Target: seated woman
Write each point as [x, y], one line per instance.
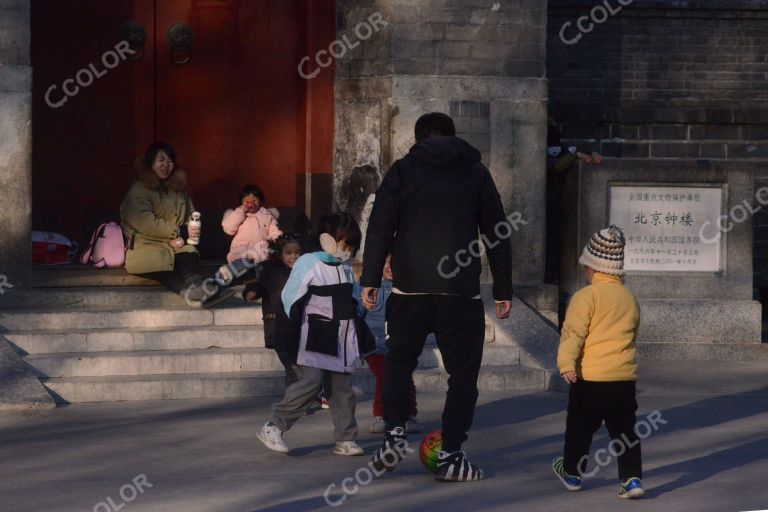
[154, 215]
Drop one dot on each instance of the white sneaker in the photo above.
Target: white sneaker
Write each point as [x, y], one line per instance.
[348, 448]
[272, 438]
[378, 426]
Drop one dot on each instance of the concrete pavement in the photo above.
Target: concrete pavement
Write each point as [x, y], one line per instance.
[203, 456]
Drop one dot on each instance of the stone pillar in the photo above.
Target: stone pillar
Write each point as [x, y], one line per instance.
[482, 63]
[15, 140]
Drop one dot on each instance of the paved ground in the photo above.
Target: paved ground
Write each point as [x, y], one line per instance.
[711, 455]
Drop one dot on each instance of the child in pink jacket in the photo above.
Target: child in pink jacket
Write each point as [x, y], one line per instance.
[253, 227]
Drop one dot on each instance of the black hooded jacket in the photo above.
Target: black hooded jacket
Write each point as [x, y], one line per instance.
[428, 211]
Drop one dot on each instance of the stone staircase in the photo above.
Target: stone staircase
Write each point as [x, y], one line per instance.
[142, 343]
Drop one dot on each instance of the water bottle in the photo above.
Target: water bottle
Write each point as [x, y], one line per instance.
[194, 222]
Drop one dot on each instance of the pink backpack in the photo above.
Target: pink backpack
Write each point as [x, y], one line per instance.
[107, 248]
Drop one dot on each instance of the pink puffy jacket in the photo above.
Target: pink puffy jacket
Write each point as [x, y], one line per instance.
[252, 232]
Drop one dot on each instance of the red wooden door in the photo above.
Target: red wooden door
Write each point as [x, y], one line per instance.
[86, 134]
[237, 111]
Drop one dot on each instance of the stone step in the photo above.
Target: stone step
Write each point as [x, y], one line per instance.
[232, 329]
[211, 360]
[251, 384]
[493, 355]
[92, 297]
[137, 318]
[154, 362]
[75, 275]
[113, 340]
[702, 351]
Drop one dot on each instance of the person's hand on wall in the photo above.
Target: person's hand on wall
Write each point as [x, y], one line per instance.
[503, 309]
[595, 158]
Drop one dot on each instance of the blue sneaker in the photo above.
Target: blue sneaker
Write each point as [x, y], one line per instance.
[572, 483]
[632, 488]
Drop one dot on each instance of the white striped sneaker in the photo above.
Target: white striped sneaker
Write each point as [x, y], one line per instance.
[454, 467]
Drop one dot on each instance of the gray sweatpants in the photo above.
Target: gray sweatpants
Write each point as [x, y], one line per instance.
[302, 393]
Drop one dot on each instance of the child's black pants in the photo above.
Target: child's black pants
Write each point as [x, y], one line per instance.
[589, 405]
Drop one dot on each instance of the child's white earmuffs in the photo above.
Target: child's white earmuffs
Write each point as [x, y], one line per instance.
[329, 244]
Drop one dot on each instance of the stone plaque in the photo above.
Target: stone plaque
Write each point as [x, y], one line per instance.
[669, 228]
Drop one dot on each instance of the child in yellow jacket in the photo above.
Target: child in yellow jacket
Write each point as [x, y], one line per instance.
[597, 357]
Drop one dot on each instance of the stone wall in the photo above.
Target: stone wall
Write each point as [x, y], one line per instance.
[480, 61]
[15, 139]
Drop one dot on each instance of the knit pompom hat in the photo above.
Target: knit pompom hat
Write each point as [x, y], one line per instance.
[605, 251]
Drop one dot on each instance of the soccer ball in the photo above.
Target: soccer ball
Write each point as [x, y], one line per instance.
[429, 448]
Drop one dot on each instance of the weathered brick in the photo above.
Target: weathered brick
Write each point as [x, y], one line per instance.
[416, 66]
[623, 150]
[713, 151]
[457, 15]
[625, 131]
[746, 150]
[674, 150]
[756, 132]
[469, 33]
[406, 49]
[405, 14]
[584, 131]
[477, 67]
[454, 49]
[534, 68]
[669, 132]
[490, 50]
[498, 17]
[417, 32]
[715, 132]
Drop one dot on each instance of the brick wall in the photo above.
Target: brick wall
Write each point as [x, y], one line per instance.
[662, 81]
[666, 80]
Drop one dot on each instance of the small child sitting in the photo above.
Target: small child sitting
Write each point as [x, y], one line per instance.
[597, 357]
[268, 286]
[253, 227]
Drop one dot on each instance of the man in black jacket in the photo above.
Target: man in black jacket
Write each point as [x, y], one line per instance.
[428, 211]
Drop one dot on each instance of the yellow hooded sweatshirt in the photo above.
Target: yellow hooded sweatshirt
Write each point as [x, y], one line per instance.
[598, 336]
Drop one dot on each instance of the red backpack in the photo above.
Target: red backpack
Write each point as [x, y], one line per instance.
[107, 247]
